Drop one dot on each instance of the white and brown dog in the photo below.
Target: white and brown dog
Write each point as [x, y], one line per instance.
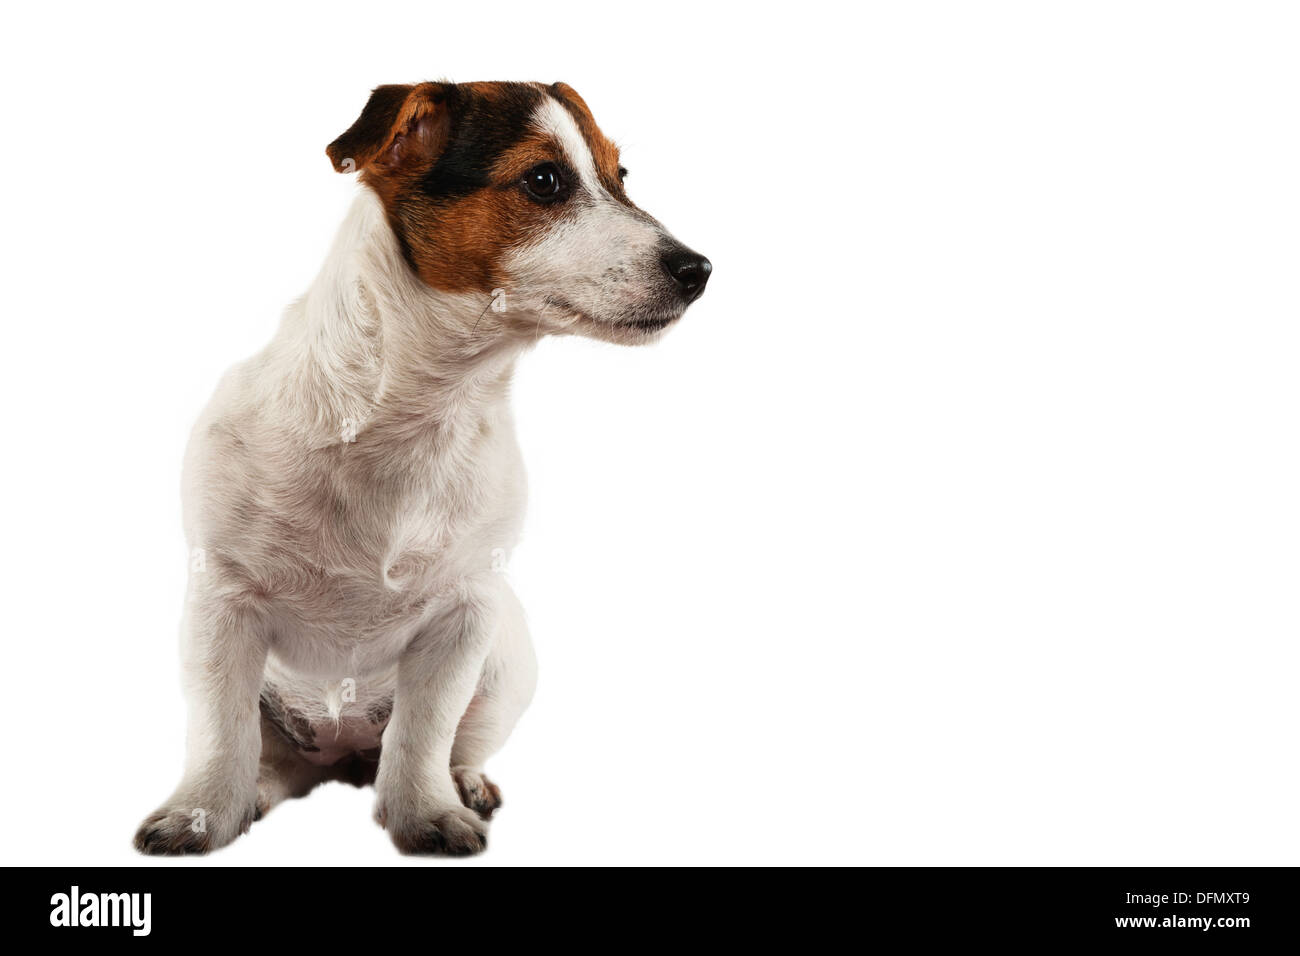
[351, 491]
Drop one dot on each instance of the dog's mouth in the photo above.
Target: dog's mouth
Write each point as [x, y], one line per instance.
[647, 321]
[651, 325]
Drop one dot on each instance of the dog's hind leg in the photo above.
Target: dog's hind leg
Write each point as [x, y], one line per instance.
[504, 691]
[283, 773]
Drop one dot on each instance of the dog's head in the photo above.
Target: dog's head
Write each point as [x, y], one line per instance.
[512, 191]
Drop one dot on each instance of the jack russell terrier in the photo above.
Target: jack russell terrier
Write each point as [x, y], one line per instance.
[351, 491]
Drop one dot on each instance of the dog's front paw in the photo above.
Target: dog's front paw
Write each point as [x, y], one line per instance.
[172, 831]
[447, 831]
[476, 791]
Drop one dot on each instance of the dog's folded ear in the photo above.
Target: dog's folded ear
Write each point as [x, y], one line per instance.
[400, 125]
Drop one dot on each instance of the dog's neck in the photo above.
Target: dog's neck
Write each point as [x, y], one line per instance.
[380, 354]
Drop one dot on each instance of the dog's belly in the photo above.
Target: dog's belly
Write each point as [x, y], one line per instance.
[327, 720]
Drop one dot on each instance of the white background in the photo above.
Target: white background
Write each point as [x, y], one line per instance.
[958, 522]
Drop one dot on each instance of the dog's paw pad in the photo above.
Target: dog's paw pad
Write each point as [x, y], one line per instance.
[476, 791]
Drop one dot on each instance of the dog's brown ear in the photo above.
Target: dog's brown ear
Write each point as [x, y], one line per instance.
[399, 125]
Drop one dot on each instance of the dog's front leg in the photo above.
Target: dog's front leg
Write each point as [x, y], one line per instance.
[417, 800]
[223, 656]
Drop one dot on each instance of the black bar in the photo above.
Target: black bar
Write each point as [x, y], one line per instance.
[195, 903]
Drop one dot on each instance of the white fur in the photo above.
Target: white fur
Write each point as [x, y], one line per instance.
[600, 266]
[556, 121]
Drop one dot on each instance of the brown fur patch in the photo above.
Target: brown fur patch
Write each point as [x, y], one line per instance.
[380, 136]
[459, 247]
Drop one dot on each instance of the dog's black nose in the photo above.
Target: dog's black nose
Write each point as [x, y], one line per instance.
[689, 270]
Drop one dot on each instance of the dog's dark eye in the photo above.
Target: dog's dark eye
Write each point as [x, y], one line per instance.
[622, 174]
[544, 181]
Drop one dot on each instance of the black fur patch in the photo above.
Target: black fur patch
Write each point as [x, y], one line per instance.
[482, 129]
[291, 725]
[358, 769]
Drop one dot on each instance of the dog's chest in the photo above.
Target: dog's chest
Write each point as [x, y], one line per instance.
[382, 585]
[373, 570]
[331, 675]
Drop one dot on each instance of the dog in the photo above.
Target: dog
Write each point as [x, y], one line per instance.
[352, 492]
